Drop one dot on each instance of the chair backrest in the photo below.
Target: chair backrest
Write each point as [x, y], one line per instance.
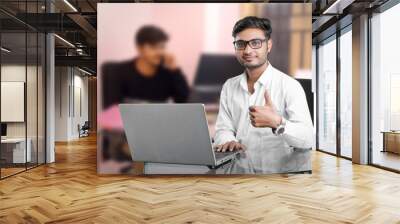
[86, 125]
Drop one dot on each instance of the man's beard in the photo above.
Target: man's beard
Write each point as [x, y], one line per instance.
[253, 66]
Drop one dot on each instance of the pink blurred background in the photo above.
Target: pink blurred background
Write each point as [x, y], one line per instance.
[193, 28]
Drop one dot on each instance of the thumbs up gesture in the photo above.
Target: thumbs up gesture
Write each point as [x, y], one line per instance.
[265, 116]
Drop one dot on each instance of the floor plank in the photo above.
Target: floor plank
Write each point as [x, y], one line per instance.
[70, 191]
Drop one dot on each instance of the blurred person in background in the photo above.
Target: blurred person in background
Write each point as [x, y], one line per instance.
[153, 76]
[262, 110]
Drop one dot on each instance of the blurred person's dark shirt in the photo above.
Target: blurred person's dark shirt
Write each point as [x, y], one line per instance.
[121, 82]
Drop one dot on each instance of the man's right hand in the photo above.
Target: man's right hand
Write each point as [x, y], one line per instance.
[229, 146]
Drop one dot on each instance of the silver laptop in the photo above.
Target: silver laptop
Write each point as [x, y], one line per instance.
[170, 133]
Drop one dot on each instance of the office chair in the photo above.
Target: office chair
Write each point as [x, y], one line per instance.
[84, 130]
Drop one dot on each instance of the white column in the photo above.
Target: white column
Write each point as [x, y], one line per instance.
[50, 92]
[360, 90]
[50, 100]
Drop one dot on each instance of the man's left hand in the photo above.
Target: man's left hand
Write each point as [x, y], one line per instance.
[265, 116]
[170, 62]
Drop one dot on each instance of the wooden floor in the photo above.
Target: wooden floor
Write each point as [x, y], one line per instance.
[70, 191]
[5, 172]
[387, 159]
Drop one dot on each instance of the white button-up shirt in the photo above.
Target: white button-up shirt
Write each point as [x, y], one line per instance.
[264, 149]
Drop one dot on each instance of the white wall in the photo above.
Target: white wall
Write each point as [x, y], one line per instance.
[61, 103]
[33, 126]
[17, 73]
[70, 83]
[80, 84]
[12, 73]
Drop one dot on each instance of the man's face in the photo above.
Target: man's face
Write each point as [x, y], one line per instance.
[249, 57]
[152, 53]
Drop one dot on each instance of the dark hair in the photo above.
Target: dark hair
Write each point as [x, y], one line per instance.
[253, 22]
[150, 34]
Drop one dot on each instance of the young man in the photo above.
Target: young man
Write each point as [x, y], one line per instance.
[263, 110]
[152, 76]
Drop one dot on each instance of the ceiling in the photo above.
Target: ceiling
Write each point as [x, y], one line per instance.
[75, 21]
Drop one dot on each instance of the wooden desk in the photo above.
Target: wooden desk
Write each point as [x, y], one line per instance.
[391, 141]
[13, 150]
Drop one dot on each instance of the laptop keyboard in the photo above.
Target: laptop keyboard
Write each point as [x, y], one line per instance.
[220, 155]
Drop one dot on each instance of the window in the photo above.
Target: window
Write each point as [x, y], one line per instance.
[346, 93]
[22, 88]
[385, 89]
[327, 96]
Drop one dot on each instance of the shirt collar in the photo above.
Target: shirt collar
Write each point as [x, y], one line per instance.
[265, 77]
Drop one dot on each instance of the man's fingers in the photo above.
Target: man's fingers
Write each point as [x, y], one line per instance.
[169, 57]
[225, 147]
[232, 146]
[252, 115]
[252, 109]
[238, 146]
[252, 119]
[222, 148]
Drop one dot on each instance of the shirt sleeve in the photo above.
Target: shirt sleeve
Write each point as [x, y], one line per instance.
[224, 128]
[299, 128]
[181, 89]
[111, 90]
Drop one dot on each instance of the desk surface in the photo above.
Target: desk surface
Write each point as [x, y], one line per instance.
[13, 140]
[295, 160]
[390, 132]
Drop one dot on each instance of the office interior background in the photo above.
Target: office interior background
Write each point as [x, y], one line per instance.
[27, 48]
[49, 92]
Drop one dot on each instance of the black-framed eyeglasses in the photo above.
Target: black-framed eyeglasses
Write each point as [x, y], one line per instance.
[253, 43]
